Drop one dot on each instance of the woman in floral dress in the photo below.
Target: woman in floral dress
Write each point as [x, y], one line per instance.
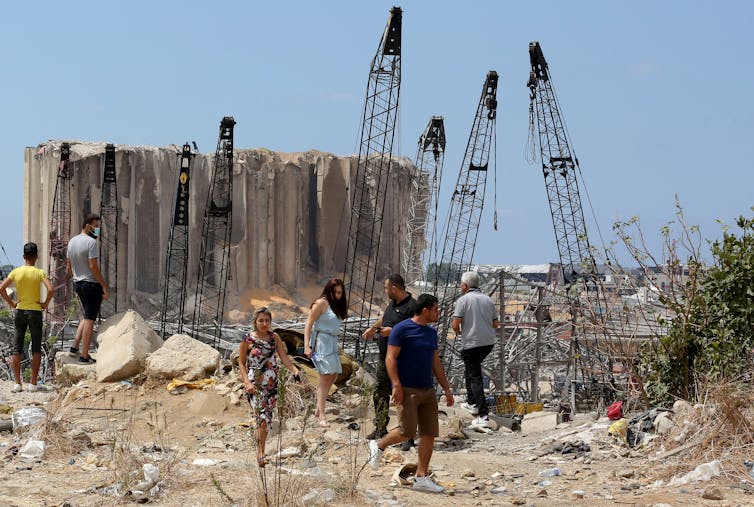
[259, 372]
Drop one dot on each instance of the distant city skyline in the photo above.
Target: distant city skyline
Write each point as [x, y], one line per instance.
[656, 96]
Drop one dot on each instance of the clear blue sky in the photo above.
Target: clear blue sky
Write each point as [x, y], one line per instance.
[657, 96]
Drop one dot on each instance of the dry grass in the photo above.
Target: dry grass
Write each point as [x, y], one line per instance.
[719, 427]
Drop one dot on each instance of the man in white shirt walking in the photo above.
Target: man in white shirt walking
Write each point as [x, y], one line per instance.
[475, 321]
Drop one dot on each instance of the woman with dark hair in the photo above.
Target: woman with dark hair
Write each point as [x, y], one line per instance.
[259, 372]
[321, 339]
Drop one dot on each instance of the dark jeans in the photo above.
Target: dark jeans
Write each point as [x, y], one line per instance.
[381, 398]
[31, 320]
[472, 365]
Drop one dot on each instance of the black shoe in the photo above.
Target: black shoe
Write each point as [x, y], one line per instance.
[88, 360]
[376, 435]
[73, 350]
[406, 446]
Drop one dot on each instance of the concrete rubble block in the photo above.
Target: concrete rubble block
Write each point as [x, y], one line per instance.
[536, 422]
[183, 357]
[68, 369]
[124, 341]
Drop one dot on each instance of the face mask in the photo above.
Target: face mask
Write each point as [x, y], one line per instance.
[96, 231]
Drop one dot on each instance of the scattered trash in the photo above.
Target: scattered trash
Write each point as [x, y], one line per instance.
[151, 473]
[33, 450]
[619, 429]
[615, 411]
[204, 462]
[550, 472]
[702, 473]
[750, 465]
[27, 417]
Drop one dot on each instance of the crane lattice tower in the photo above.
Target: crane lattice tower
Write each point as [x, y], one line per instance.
[214, 257]
[374, 161]
[465, 213]
[176, 262]
[60, 234]
[420, 247]
[109, 232]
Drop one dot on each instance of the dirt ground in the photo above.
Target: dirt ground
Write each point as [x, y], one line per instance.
[98, 437]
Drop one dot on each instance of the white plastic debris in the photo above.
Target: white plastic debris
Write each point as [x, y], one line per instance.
[204, 462]
[27, 417]
[151, 473]
[32, 450]
[702, 473]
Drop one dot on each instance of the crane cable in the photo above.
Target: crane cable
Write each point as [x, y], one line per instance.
[494, 176]
[530, 150]
[5, 253]
[581, 178]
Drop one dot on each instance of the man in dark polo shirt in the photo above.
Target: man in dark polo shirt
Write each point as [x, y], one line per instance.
[412, 360]
[400, 308]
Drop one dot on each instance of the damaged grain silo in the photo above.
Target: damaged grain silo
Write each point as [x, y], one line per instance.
[291, 214]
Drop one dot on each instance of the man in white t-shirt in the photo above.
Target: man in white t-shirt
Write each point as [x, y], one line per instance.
[475, 321]
[88, 282]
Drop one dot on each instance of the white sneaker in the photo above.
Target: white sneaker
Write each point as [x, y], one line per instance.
[375, 455]
[470, 408]
[481, 422]
[427, 484]
[37, 388]
[17, 388]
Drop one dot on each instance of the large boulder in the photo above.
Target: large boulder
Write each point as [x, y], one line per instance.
[124, 341]
[183, 357]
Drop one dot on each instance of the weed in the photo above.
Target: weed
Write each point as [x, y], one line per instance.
[220, 489]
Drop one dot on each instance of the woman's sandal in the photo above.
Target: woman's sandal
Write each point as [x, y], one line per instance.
[262, 461]
[324, 424]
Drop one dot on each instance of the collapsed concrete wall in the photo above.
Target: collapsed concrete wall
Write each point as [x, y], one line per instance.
[291, 213]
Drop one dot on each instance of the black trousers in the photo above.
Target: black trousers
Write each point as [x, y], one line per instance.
[472, 366]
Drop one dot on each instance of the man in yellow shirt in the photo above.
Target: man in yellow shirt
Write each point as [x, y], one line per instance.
[28, 280]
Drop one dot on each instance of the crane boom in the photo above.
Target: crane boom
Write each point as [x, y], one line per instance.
[421, 230]
[176, 263]
[214, 257]
[109, 235]
[559, 168]
[60, 233]
[373, 169]
[467, 202]
[589, 360]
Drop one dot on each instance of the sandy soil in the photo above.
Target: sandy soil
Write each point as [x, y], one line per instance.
[98, 436]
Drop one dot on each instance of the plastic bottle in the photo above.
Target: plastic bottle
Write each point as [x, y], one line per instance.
[550, 472]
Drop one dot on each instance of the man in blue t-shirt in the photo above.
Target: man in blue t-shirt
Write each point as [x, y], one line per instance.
[412, 359]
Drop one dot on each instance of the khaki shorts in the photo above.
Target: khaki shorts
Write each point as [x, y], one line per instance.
[419, 409]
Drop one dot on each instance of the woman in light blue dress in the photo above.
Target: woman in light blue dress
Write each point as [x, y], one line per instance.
[321, 339]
